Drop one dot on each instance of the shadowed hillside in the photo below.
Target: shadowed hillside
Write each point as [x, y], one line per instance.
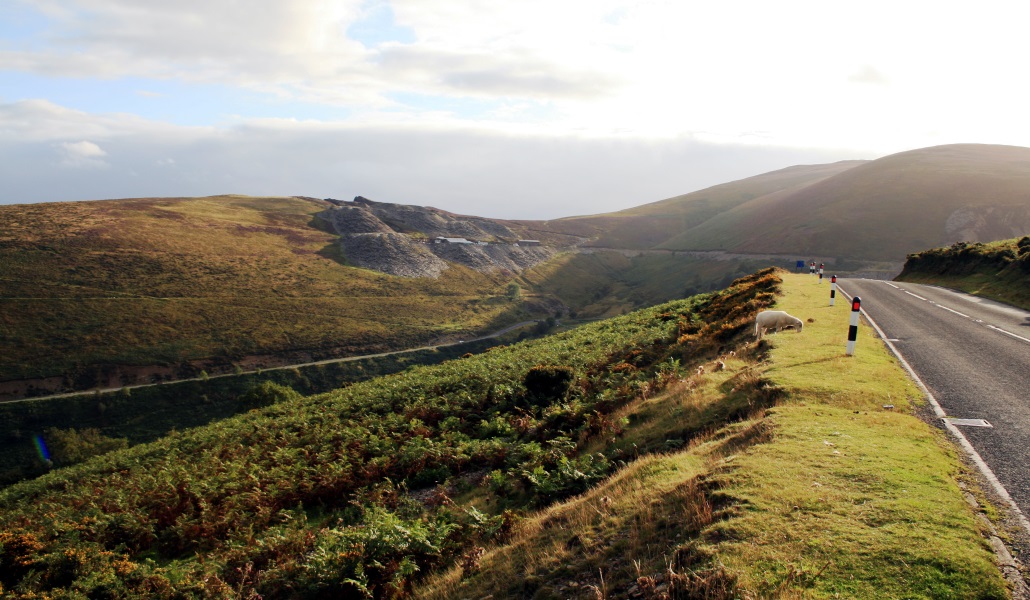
[649, 225]
[884, 209]
[865, 211]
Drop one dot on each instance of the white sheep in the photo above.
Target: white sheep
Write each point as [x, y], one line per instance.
[775, 320]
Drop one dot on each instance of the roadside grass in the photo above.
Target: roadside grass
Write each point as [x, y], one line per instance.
[826, 494]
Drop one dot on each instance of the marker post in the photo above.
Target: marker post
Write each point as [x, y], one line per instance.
[856, 306]
[833, 289]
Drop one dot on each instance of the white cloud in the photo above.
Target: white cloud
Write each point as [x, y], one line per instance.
[459, 169]
[870, 75]
[82, 155]
[533, 107]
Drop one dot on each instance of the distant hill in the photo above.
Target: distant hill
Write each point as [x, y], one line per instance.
[884, 209]
[651, 225]
[878, 210]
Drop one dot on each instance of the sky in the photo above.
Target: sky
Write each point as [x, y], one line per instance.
[510, 109]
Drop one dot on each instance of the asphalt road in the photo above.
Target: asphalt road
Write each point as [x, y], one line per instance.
[974, 357]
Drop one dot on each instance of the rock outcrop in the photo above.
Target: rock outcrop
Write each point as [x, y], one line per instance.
[402, 240]
[436, 223]
[391, 253]
[490, 257]
[353, 219]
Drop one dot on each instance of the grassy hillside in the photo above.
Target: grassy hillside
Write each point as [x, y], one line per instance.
[998, 270]
[884, 209]
[770, 478]
[86, 286]
[148, 413]
[606, 284]
[649, 225]
[121, 292]
[823, 495]
[865, 211]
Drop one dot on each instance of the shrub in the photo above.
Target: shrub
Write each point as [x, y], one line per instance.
[69, 446]
[267, 393]
[549, 382]
[1023, 245]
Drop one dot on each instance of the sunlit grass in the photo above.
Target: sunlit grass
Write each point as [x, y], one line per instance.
[161, 281]
[829, 494]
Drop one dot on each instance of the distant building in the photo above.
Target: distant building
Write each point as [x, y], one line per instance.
[447, 240]
[528, 243]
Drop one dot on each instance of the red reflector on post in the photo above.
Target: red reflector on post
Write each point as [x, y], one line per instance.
[833, 279]
[856, 304]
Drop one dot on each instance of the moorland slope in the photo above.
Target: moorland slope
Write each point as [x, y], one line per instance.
[117, 292]
[884, 209]
[755, 477]
[179, 285]
[875, 211]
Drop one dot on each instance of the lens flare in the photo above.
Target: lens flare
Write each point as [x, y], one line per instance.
[41, 448]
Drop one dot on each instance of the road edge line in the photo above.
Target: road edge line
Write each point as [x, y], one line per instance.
[953, 429]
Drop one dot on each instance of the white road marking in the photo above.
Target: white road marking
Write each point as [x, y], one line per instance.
[892, 285]
[963, 315]
[954, 430]
[1018, 337]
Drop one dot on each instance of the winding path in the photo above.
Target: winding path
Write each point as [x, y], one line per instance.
[279, 368]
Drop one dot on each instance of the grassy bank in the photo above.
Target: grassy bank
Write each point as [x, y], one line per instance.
[996, 270]
[826, 494]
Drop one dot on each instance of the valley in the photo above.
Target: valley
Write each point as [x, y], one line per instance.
[122, 292]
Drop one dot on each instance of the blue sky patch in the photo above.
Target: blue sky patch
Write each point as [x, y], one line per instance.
[180, 103]
[377, 26]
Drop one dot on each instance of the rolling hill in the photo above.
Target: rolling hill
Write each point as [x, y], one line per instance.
[124, 291]
[878, 210]
[649, 225]
[885, 209]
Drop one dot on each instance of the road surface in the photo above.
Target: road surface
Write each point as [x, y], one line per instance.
[974, 357]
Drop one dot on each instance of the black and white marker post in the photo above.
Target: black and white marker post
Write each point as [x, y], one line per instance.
[833, 289]
[856, 306]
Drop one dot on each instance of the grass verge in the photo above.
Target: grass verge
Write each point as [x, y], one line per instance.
[827, 494]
